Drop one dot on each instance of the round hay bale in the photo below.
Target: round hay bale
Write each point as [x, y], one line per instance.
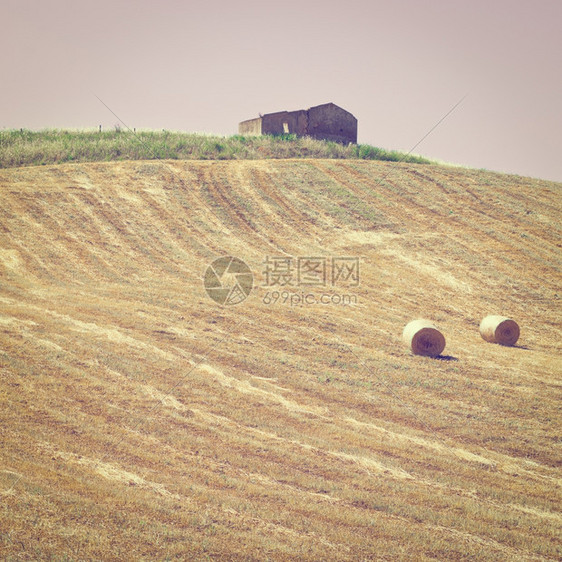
[423, 338]
[499, 329]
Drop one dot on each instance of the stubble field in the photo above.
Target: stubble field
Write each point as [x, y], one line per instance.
[141, 420]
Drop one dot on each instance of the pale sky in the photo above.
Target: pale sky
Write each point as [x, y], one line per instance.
[200, 66]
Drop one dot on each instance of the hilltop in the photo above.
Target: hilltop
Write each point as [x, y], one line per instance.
[52, 146]
[142, 420]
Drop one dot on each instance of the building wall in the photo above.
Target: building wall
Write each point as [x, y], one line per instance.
[251, 127]
[330, 122]
[285, 122]
[325, 122]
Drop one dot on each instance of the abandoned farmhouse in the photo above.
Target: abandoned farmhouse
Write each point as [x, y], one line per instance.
[324, 122]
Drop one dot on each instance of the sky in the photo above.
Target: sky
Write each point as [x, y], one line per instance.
[399, 66]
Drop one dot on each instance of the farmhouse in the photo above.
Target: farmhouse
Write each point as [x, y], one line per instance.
[325, 122]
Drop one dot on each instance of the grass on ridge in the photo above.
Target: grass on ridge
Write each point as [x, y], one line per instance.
[53, 146]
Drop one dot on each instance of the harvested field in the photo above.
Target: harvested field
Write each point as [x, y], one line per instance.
[142, 420]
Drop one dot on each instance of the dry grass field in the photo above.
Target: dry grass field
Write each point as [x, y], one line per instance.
[143, 421]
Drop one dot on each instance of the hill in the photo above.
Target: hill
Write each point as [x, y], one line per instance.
[141, 420]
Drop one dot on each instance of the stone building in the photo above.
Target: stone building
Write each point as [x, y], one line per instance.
[325, 122]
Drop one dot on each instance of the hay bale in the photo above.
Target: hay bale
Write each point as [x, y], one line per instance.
[499, 329]
[423, 338]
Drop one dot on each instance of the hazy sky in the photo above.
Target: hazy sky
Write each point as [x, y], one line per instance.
[201, 66]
